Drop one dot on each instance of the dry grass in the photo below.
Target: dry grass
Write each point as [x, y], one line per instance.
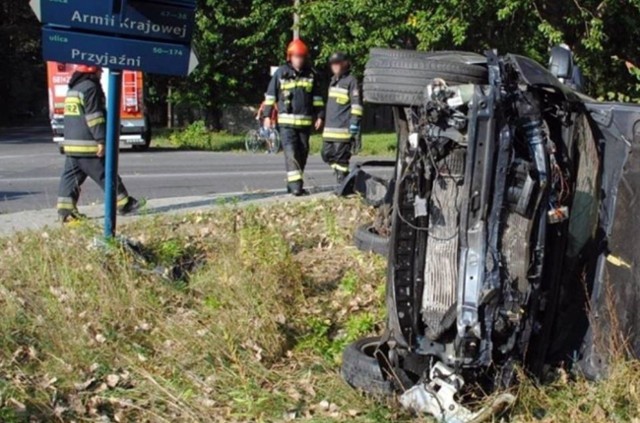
[253, 332]
[616, 399]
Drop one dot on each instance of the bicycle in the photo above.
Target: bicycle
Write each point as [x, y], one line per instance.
[263, 139]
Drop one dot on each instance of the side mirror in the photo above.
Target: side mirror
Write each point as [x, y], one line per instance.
[561, 63]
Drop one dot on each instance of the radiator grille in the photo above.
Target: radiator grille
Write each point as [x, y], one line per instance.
[441, 259]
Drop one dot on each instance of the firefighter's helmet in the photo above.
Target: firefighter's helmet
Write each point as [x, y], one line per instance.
[338, 57]
[87, 69]
[297, 47]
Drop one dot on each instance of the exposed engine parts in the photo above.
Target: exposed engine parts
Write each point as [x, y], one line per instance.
[438, 398]
[512, 192]
[481, 172]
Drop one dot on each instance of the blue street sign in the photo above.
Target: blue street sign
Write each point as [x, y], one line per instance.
[164, 20]
[152, 36]
[65, 46]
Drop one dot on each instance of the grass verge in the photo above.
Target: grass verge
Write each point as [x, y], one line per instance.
[198, 137]
[235, 316]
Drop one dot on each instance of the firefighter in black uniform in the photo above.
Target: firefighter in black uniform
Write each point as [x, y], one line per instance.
[295, 89]
[344, 112]
[84, 137]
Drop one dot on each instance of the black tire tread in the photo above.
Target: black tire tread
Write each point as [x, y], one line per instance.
[425, 65]
[400, 54]
[399, 79]
[367, 241]
[362, 371]
[392, 98]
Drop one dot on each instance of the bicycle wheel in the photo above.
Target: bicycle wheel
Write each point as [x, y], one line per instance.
[275, 142]
[252, 141]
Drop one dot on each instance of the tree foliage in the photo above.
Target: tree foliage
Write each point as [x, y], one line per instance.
[597, 30]
[238, 41]
[23, 86]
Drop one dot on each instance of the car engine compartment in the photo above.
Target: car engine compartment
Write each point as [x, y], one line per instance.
[497, 235]
[478, 304]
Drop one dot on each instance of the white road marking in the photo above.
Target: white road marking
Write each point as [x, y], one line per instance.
[177, 175]
[29, 156]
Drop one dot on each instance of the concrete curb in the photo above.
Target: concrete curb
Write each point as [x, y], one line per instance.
[40, 219]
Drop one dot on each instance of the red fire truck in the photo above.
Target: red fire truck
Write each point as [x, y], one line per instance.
[135, 129]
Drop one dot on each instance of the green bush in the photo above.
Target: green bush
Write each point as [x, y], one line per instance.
[198, 137]
[195, 136]
[631, 96]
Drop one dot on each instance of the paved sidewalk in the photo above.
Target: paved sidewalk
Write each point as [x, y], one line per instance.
[40, 219]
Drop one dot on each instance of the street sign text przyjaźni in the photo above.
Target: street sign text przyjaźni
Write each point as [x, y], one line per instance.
[117, 53]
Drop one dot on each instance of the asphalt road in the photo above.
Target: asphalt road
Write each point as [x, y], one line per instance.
[30, 168]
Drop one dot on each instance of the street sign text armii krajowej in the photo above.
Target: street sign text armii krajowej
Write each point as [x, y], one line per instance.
[146, 35]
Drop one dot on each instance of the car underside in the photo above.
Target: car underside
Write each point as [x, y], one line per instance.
[512, 213]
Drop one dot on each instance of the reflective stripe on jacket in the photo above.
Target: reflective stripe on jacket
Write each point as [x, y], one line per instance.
[344, 107]
[84, 116]
[297, 95]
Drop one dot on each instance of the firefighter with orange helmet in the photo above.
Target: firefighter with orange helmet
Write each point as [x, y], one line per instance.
[84, 137]
[296, 91]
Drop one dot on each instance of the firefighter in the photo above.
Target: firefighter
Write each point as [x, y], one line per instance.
[344, 112]
[84, 137]
[295, 89]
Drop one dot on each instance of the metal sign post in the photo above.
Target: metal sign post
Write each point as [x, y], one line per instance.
[296, 19]
[111, 152]
[152, 36]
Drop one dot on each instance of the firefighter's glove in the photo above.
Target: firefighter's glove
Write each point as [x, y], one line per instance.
[354, 129]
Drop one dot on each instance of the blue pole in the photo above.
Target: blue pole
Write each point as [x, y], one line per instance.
[111, 151]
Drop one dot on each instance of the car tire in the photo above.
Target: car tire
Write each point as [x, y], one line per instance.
[369, 241]
[361, 369]
[447, 55]
[402, 81]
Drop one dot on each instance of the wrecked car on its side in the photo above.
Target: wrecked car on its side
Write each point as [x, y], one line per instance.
[513, 228]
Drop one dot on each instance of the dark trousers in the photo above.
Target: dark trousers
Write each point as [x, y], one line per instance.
[337, 155]
[76, 170]
[295, 144]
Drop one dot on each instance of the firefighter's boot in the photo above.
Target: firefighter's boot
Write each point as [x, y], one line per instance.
[131, 206]
[297, 189]
[341, 176]
[70, 217]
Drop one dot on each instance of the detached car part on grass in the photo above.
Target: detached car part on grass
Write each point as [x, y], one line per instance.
[376, 192]
[513, 230]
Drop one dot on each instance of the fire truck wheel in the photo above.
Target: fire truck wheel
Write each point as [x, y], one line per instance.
[147, 140]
